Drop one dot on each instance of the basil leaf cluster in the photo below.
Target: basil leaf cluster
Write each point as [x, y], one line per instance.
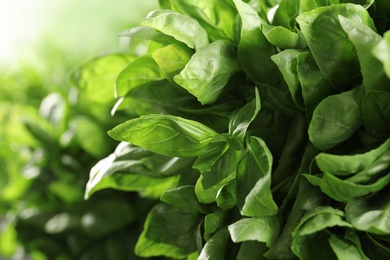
[261, 127]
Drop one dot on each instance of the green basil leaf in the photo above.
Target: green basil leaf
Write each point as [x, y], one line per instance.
[294, 153]
[213, 222]
[280, 99]
[254, 196]
[308, 198]
[344, 190]
[108, 173]
[226, 197]
[209, 195]
[310, 239]
[132, 168]
[334, 53]
[164, 98]
[165, 134]
[224, 164]
[308, 5]
[313, 83]
[215, 246]
[148, 34]
[184, 198]
[165, 4]
[283, 38]
[313, 246]
[370, 214]
[253, 46]
[172, 59]
[286, 13]
[376, 113]
[287, 63]
[264, 229]
[252, 250]
[96, 78]
[183, 28]
[168, 231]
[141, 72]
[335, 119]
[216, 16]
[344, 165]
[240, 122]
[209, 70]
[346, 249]
[364, 38]
[382, 52]
[319, 219]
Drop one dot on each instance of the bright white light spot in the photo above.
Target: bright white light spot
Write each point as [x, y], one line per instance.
[20, 25]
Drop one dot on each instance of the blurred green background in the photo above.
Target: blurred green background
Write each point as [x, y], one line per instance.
[41, 32]
[51, 135]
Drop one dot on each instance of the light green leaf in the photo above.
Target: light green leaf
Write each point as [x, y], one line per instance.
[172, 59]
[209, 195]
[164, 98]
[143, 71]
[370, 214]
[344, 190]
[346, 249]
[265, 229]
[287, 63]
[241, 120]
[133, 168]
[254, 196]
[286, 13]
[168, 231]
[218, 162]
[334, 53]
[344, 165]
[96, 78]
[8, 239]
[283, 38]
[309, 237]
[165, 4]
[382, 52]
[213, 222]
[335, 119]
[108, 174]
[148, 34]
[184, 198]
[209, 70]
[226, 197]
[254, 47]
[216, 16]
[215, 247]
[365, 38]
[183, 28]
[165, 134]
